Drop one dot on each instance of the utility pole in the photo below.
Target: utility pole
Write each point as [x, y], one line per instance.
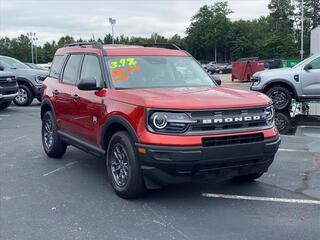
[36, 49]
[215, 46]
[302, 29]
[33, 39]
[112, 22]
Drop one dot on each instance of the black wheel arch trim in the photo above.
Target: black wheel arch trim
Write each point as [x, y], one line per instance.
[119, 120]
[25, 81]
[47, 102]
[285, 82]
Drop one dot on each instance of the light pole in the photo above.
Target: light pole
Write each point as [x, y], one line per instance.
[32, 37]
[36, 49]
[302, 28]
[112, 21]
[215, 45]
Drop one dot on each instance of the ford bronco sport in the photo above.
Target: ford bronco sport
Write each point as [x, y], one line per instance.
[155, 116]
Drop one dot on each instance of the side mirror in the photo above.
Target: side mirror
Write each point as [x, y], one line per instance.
[88, 84]
[307, 67]
[216, 79]
[1, 68]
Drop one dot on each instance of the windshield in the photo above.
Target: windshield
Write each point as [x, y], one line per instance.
[156, 72]
[304, 62]
[12, 63]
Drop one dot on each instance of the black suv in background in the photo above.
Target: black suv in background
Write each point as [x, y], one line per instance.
[8, 89]
[29, 80]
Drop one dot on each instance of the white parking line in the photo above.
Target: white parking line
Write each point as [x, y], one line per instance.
[60, 168]
[265, 199]
[292, 150]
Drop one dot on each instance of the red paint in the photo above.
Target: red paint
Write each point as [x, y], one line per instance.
[76, 117]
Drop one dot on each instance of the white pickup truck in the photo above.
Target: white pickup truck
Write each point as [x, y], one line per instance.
[302, 82]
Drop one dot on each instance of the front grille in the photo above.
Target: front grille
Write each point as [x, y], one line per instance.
[231, 140]
[206, 120]
[5, 83]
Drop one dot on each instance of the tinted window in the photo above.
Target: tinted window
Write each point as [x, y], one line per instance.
[70, 73]
[57, 66]
[91, 69]
[315, 63]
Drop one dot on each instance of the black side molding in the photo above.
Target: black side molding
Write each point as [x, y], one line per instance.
[87, 147]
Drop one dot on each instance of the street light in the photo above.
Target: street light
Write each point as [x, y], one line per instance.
[302, 28]
[112, 21]
[33, 39]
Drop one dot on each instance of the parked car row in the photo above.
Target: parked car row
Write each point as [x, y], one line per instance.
[28, 77]
[221, 68]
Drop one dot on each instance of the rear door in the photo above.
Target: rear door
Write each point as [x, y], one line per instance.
[311, 79]
[64, 91]
[87, 104]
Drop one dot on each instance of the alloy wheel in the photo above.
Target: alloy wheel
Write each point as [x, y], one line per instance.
[22, 96]
[119, 165]
[48, 133]
[279, 98]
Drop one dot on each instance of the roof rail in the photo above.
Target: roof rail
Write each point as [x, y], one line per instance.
[162, 45]
[83, 44]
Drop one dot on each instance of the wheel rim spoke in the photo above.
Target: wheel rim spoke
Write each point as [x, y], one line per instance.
[119, 165]
[48, 133]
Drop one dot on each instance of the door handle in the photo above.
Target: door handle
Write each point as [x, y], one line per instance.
[55, 92]
[75, 97]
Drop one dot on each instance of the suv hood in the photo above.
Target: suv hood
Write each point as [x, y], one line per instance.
[29, 73]
[191, 98]
[280, 72]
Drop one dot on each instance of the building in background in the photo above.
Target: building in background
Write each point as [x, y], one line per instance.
[315, 41]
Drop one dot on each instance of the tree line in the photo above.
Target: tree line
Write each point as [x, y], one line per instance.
[211, 32]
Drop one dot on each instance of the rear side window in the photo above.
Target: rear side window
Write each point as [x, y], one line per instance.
[70, 74]
[91, 69]
[57, 66]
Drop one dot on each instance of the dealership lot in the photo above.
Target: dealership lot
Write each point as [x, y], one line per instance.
[70, 198]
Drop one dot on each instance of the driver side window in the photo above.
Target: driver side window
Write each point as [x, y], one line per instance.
[91, 69]
[315, 63]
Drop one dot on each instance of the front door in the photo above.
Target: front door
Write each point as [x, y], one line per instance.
[311, 79]
[88, 105]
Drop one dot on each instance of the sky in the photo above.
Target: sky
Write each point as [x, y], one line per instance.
[81, 18]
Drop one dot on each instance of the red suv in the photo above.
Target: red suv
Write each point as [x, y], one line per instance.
[155, 116]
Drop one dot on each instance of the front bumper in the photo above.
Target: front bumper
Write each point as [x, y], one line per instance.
[163, 165]
[37, 90]
[7, 97]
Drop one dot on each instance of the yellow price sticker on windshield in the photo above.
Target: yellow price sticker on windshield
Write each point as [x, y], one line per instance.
[123, 62]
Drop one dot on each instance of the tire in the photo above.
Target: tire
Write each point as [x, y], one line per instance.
[52, 144]
[280, 96]
[283, 122]
[123, 167]
[25, 96]
[249, 177]
[4, 105]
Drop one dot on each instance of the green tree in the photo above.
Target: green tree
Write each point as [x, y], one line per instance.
[209, 28]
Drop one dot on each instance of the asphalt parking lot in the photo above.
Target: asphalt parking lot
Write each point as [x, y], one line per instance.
[71, 198]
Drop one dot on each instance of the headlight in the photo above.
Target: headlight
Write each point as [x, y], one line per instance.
[39, 79]
[270, 115]
[166, 122]
[256, 79]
